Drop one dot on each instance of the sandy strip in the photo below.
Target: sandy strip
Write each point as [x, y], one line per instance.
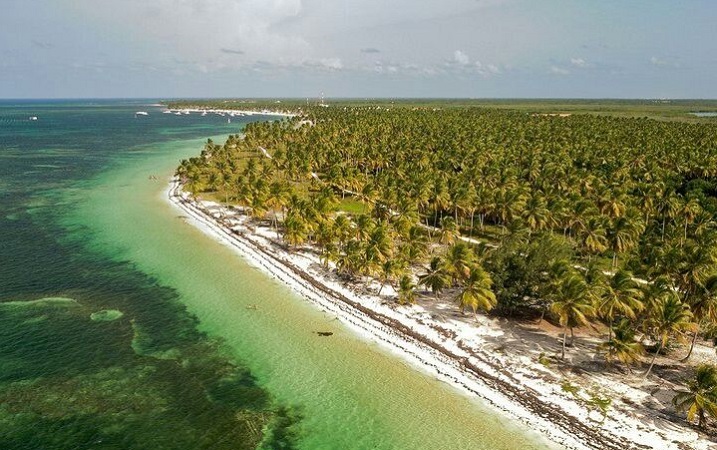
[513, 387]
[233, 112]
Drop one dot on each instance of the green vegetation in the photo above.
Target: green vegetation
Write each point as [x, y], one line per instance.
[586, 220]
[700, 398]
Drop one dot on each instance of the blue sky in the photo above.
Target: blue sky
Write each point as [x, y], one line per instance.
[358, 48]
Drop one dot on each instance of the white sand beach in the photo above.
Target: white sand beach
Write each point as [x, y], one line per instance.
[486, 358]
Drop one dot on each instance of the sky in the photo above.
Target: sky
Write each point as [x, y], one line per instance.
[358, 48]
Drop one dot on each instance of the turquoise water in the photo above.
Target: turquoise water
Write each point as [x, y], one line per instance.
[122, 327]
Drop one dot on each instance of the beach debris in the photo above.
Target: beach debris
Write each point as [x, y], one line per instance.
[325, 333]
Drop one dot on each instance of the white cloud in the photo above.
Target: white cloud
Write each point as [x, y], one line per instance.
[331, 63]
[492, 68]
[461, 58]
[555, 70]
[209, 32]
[655, 61]
[578, 62]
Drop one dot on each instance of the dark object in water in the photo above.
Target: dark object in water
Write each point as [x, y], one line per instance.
[325, 333]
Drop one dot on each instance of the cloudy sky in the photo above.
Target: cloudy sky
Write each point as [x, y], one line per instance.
[358, 48]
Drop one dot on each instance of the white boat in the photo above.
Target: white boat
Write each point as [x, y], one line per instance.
[33, 117]
[167, 112]
[141, 113]
[229, 120]
[186, 113]
[178, 113]
[204, 113]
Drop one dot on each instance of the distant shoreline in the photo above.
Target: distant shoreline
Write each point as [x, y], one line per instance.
[232, 112]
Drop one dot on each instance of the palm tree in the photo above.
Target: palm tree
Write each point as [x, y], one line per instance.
[458, 260]
[296, 229]
[406, 290]
[379, 247]
[536, 214]
[573, 305]
[700, 398]
[619, 297]
[389, 270]
[703, 305]
[436, 278]
[592, 236]
[449, 230]
[624, 233]
[671, 317]
[690, 210]
[694, 266]
[476, 292]
[622, 345]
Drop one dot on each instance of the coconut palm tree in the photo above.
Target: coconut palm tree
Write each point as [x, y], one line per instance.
[436, 278]
[620, 296]
[573, 305]
[700, 398]
[389, 270]
[671, 318]
[458, 261]
[406, 290]
[476, 292]
[296, 229]
[623, 233]
[695, 265]
[622, 345]
[449, 230]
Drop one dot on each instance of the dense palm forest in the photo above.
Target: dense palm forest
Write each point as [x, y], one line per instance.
[581, 219]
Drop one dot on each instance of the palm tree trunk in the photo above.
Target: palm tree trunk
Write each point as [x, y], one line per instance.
[692, 346]
[572, 337]
[652, 363]
[565, 336]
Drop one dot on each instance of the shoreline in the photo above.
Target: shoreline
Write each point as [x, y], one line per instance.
[230, 112]
[442, 349]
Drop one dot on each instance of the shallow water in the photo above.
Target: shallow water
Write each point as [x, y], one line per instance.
[124, 327]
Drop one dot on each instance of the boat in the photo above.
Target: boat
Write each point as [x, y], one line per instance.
[167, 112]
[229, 120]
[33, 118]
[178, 113]
[204, 113]
[141, 113]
